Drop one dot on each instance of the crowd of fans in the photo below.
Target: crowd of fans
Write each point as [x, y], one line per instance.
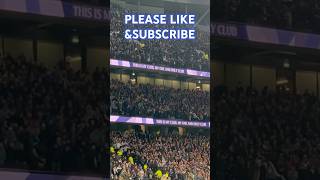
[191, 54]
[130, 99]
[170, 156]
[292, 14]
[264, 135]
[51, 119]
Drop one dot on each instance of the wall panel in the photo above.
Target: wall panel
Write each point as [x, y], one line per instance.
[237, 74]
[16, 47]
[306, 80]
[97, 57]
[262, 76]
[218, 73]
[50, 53]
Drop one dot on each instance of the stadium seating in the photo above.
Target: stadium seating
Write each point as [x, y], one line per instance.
[148, 156]
[169, 53]
[146, 100]
[51, 120]
[266, 135]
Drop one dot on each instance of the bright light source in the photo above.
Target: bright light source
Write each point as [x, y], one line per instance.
[75, 39]
[286, 63]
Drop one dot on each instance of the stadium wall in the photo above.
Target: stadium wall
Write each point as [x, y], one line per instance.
[124, 77]
[96, 57]
[160, 82]
[184, 85]
[16, 47]
[263, 76]
[230, 74]
[115, 76]
[218, 73]
[145, 80]
[49, 52]
[237, 73]
[2, 45]
[206, 87]
[306, 80]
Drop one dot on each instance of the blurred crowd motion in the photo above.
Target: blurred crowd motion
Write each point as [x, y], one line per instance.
[191, 54]
[265, 135]
[52, 120]
[139, 155]
[129, 99]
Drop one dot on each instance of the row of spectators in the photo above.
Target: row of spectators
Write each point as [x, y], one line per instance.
[264, 135]
[292, 14]
[150, 155]
[129, 99]
[192, 54]
[51, 119]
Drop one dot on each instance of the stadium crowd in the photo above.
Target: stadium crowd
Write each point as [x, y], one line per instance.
[139, 155]
[52, 120]
[264, 135]
[191, 54]
[291, 14]
[129, 99]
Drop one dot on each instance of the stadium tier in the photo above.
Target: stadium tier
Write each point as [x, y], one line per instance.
[51, 118]
[153, 155]
[159, 100]
[266, 134]
[153, 101]
[182, 54]
[52, 107]
[266, 106]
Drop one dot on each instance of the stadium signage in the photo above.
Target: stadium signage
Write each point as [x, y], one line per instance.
[60, 9]
[224, 30]
[266, 35]
[181, 123]
[152, 121]
[94, 13]
[21, 175]
[191, 72]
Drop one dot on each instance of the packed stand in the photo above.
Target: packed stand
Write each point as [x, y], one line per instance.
[130, 99]
[191, 54]
[151, 156]
[51, 120]
[264, 135]
[291, 14]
